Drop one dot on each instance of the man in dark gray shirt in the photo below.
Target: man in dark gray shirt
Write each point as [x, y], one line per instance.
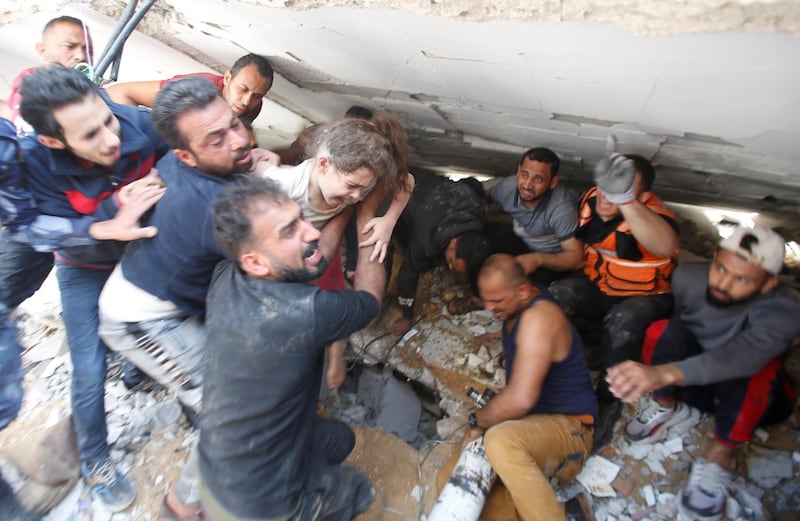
[264, 453]
[721, 352]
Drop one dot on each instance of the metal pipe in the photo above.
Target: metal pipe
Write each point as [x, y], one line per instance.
[126, 15]
[116, 47]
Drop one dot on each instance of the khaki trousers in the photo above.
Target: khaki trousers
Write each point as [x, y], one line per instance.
[525, 454]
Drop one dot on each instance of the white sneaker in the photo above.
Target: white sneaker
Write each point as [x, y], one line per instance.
[703, 497]
[651, 420]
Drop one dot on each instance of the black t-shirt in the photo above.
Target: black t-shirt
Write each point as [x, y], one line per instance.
[265, 349]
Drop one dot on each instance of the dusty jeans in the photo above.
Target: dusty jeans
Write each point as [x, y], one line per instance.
[169, 350]
[525, 453]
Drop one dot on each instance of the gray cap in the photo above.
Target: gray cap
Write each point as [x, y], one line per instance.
[758, 245]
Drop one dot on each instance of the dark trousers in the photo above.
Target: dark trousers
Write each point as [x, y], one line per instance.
[739, 406]
[22, 271]
[333, 492]
[622, 320]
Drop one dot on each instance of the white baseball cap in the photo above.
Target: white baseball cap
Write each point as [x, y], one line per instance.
[758, 245]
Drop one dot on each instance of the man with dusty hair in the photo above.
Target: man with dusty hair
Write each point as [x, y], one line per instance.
[264, 452]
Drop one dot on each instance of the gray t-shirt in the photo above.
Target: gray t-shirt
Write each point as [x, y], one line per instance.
[553, 220]
[737, 340]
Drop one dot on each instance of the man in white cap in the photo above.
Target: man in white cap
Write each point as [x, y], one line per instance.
[722, 351]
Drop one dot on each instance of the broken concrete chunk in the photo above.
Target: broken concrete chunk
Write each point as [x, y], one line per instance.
[483, 352]
[654, 464]
[667, 505]
[674, 445]
[476, 330]
[597, 475]
[474, 360]
[767, 468]
[638, 451]
[649, 495]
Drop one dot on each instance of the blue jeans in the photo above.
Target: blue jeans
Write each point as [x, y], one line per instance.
[80, 288]
[22, 271]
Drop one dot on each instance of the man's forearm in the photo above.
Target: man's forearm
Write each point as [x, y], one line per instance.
[650, 229]
[501, 408]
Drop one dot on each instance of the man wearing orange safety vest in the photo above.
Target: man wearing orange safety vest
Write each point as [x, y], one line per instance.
[631, 249]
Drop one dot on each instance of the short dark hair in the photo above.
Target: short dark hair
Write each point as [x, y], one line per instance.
[643, 166]
[473, 248]
[64, 20]
[357, 111]
[233, 210]
[262, 65]
[177, 98]
[48, 89]
[543, 155]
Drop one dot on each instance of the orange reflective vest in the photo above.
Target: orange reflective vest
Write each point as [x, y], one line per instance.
[617, 276]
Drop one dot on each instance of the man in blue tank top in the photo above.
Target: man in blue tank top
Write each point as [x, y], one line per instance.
[541, 424]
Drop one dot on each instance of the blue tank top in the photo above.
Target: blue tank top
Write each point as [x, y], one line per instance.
[567, 388]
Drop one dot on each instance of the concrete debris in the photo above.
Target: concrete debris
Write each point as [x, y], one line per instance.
[674, 446]
[767, 467]
[483, 352]
[638, 451]
[667, 505]
[446, 427]
[761, 434]
[649, 495]
[597, 475]
[474, 361]
[653, 462]
[416, 493]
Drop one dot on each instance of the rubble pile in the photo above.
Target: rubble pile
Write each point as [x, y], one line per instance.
[414, 387]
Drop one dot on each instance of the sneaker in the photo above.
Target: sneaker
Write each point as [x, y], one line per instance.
[108, 485]
[703, 497]
[651, 420]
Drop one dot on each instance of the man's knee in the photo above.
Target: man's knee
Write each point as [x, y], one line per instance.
[570, 293]
[500, 444]
[622, 337]
[333, 439]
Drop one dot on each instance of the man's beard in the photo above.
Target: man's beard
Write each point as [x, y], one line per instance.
[235, 168]
[304, 274]
[717, 303]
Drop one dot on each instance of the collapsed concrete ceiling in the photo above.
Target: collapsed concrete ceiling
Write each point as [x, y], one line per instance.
[709, 90]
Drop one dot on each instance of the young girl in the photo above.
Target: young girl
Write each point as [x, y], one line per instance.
[350, 160]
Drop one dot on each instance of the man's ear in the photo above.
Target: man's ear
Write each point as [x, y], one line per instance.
[51, 142]
[553, 182]
[643, 197]
[770, 284]
[226, 78]
[255, 264]
[40, 51]
[185, 157]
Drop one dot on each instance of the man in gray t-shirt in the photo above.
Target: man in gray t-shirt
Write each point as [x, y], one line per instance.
[722, 352]
[545, 216]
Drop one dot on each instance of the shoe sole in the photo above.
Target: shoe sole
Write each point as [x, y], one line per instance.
[660, 432]
[684, 515]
